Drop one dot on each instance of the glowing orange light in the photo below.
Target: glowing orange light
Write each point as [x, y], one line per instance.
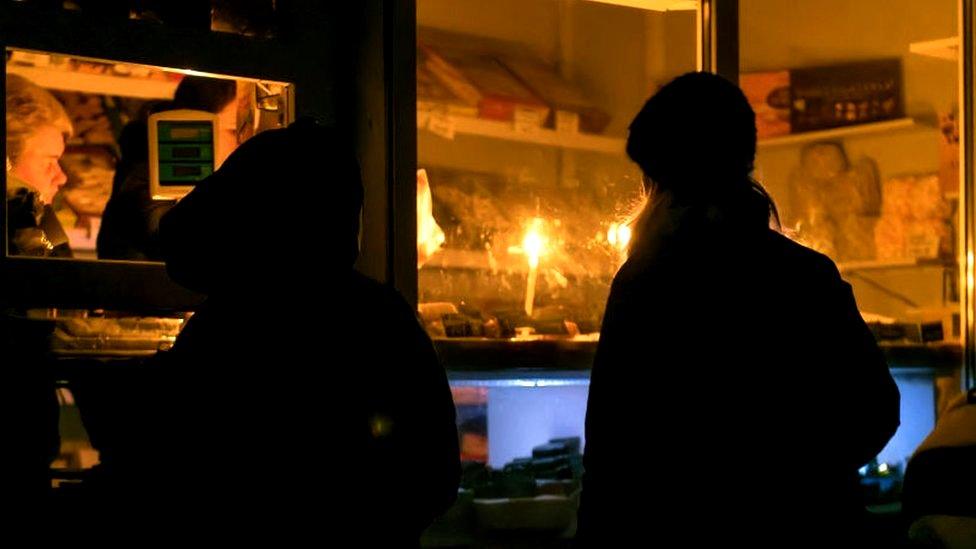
[533, 246]
[430, 236]
[618, 235]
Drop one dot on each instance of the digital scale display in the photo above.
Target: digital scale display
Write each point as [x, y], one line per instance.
[186, 151]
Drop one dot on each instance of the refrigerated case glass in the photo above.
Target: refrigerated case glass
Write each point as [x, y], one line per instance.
[524, 191]
[524, 195]
[858, 112]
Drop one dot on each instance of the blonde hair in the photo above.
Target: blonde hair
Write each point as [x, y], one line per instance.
[29, 107]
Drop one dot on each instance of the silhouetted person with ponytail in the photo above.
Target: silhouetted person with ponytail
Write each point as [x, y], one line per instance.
[736, 389]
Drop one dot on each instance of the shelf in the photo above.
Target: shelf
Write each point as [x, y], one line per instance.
[940, 358]
[498, 362]
[449, 126]
[527, 360]
[943, 48]
[875, 265]
[654, 5]
[869, 265]
[521, 378]
[101, 84]
[899, 124]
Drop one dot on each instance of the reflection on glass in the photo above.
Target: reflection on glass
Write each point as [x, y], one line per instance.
[78, 148]
[37, 126]
[862, 158]
[525, 191]
[859, 146]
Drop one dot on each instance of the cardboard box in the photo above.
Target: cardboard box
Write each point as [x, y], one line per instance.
[769, 94]
[564, 97]
[846, 94]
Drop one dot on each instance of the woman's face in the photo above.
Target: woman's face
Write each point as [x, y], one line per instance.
[38, 164]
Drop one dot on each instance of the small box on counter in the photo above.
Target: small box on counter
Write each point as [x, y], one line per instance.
[769, 94]
[846, 94]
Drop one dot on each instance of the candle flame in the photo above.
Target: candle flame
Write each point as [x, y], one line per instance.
[534, 243]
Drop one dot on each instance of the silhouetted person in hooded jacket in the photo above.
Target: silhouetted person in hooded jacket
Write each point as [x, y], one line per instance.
[302, 398]
[736, 389]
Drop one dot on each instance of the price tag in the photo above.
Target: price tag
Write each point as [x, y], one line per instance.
[442, 125]
[528, 119]
[567, 122]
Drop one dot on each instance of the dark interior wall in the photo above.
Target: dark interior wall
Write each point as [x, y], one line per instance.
[375, 95]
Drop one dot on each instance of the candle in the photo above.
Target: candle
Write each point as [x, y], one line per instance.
[532, 245]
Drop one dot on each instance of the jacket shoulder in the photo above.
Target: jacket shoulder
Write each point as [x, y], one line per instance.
[797, 258]
[378, 297]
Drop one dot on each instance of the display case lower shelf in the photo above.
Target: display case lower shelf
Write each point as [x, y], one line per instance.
[475, 354]
[473, 358]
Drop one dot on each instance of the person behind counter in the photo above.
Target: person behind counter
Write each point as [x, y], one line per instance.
[36, 128]
[130, 222]
[302, 397]
[735, 390]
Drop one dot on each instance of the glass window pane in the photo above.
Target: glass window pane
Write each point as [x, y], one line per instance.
[79, 153]
[524, 190]
[857, 107]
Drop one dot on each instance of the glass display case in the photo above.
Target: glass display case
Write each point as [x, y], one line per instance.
[524, 191]
[524, 195]
[858, 111]
[107, 105]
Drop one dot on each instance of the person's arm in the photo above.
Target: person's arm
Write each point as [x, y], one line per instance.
[606, 405]
[434, 452]
[865, 401]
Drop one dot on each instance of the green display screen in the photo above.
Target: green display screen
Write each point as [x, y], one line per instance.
[186, 151]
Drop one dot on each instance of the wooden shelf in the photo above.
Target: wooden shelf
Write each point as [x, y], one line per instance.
[943, 48]
[899, 124]
[449, 126]
[101, 84]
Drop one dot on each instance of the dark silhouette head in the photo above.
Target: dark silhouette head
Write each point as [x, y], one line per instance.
[284, 201]
[695, 141]
[695, 136]
[204, 94]
[193, 92]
